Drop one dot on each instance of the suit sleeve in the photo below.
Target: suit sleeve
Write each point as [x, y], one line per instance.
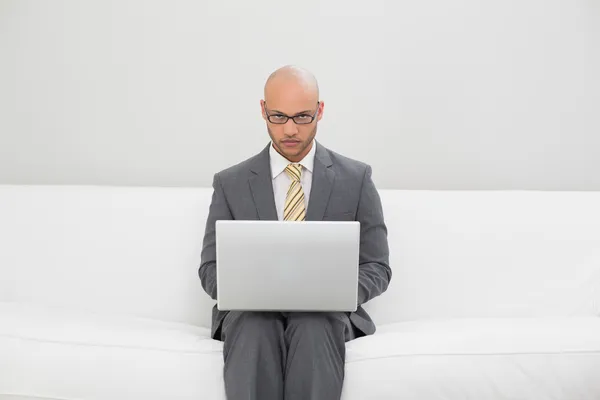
[219, 210]
[374, 273]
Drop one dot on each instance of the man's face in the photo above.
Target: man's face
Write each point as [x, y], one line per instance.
[291, 99]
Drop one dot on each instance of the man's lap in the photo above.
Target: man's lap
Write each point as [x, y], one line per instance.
[281, 320]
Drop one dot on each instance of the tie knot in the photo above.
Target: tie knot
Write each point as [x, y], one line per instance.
[294, 171]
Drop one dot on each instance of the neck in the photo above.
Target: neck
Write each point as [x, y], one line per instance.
[299, 157]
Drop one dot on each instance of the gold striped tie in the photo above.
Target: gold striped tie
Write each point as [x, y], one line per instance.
[294, 210]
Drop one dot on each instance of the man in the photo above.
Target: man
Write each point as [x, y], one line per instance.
[294, 356]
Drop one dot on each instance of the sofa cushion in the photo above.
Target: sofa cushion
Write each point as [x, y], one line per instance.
[54, 353]
[516, 358]
[454, 254]
[117, 250]
[470, 254]
[51, 353]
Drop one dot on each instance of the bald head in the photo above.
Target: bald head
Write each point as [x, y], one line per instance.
[301, 81]
[291, 109]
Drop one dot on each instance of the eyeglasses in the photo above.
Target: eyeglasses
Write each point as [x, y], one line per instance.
[300, 119]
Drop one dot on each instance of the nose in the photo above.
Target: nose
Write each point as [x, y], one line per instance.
[290, 127]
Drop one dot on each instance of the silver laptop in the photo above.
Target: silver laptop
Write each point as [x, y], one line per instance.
[287, 266]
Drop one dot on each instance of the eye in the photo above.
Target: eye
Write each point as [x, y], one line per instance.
[278, 117]
[303, 118]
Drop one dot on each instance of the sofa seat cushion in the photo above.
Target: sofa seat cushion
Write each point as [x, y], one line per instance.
[62, 354]
[499, 358]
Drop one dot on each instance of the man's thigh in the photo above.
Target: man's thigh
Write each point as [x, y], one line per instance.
[350, 331]
[257, 320]
[251, 320]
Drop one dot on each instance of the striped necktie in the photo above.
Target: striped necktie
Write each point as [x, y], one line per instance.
[294, 209]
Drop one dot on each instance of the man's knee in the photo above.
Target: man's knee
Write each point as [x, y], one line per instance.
[253, 355]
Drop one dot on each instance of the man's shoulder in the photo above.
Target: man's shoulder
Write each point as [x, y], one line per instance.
[346, 164]
[242, 168]
[236, 169]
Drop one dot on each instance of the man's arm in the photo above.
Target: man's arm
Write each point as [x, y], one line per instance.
[374, 273]
[219, 210]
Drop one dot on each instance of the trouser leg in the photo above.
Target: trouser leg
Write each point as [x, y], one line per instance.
[316, 354]
[254, 351]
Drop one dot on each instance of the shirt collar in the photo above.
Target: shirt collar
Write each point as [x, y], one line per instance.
[279, 162]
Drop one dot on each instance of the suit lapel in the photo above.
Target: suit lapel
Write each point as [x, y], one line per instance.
[261, 186]
[322, 183]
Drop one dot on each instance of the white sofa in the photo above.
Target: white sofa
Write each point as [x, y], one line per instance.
[494, 295]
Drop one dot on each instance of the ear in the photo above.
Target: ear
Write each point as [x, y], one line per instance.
[320, 113]
[262, 109]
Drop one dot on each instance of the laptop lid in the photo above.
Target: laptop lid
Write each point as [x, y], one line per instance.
[287, 266]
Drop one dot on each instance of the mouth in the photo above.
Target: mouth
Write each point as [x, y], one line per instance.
[290, 143]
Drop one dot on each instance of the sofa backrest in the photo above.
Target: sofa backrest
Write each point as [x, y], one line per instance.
[136, 250]
[121, 250]
[478, 254]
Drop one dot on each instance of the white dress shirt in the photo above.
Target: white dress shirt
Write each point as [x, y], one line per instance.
[281, 180]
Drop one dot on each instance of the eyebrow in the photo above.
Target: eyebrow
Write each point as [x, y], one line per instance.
[298, 113]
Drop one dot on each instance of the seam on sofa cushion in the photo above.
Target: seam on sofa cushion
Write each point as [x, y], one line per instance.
[111, 345]
[539, 353]
[25, 396]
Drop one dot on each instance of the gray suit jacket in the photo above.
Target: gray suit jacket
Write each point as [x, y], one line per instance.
[342, 190]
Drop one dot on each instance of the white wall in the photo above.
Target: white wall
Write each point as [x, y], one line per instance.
[435, 94]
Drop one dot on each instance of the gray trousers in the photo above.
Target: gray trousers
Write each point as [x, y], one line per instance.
[285, 356]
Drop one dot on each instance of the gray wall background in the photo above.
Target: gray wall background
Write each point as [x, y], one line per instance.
[435, 94]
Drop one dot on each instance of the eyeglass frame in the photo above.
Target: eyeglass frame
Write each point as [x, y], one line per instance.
[287, 117]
